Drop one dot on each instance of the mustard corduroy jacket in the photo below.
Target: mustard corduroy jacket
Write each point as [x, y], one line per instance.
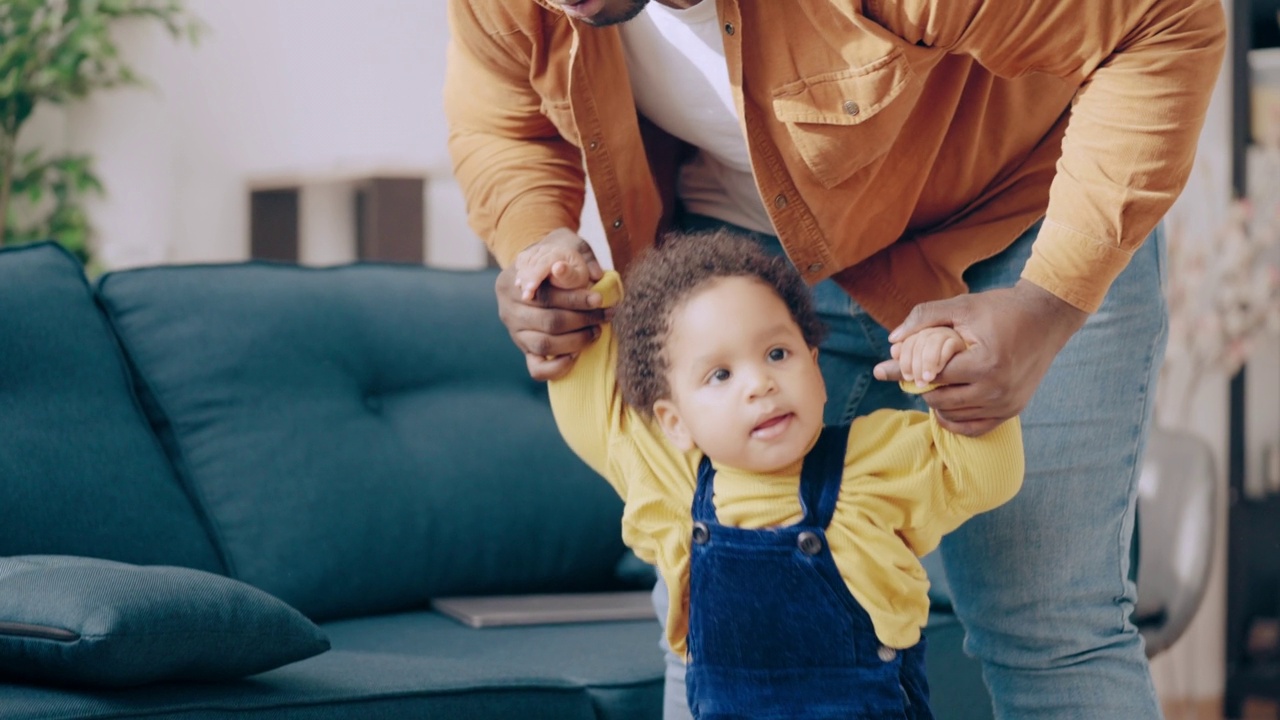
[894, 142]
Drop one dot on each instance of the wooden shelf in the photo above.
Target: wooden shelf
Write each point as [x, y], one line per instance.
[388, 215]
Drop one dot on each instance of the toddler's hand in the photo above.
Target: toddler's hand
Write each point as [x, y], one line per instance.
[923, 355]
[563, 265]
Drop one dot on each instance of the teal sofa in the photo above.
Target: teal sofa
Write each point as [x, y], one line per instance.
[233, 491]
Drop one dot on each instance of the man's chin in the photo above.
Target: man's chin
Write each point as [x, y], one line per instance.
[616, 17]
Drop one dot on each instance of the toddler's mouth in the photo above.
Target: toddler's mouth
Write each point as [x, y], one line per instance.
[772, 427]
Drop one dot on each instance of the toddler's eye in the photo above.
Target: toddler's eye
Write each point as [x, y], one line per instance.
[718, 375]
[777, 354]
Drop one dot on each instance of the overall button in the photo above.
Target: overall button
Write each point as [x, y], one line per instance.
[810, 543]
[886, 653]
[701, 533]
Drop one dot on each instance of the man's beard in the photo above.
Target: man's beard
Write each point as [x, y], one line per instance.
[604, 19]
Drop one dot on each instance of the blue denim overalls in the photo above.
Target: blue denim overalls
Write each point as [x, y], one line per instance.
[773, 629]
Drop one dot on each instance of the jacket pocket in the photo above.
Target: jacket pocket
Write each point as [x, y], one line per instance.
[560, 113]
[839, 122]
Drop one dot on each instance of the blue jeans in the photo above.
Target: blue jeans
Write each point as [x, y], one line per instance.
[1041, 584]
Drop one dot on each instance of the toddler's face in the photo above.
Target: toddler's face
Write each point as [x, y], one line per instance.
[745, 388]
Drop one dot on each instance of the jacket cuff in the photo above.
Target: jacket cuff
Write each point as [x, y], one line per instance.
[523, 226]
[1074, 267]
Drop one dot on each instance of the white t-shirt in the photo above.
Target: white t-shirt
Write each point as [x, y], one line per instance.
[675, 59]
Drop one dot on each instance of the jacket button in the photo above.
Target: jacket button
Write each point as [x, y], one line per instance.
[815, 267]
[617, 223]
[810, 543]
[701, 533]
[886, 653]
[851, 108]
[780, 201]
[728, 28]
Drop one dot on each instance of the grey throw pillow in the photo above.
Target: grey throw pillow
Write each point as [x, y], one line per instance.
[96, 623]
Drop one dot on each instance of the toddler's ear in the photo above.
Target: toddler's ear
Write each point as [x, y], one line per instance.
[673, 427]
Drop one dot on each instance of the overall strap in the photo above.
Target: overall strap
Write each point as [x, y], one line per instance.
[704, 510]
[821, 475]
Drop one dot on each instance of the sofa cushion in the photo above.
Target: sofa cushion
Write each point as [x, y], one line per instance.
[83, 474]
[423, 665]
[364, 437]
[97, 623]
[412, 665]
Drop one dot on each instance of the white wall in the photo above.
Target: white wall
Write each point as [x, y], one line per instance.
[275, 88]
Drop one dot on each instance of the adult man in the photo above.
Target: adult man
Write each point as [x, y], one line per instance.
[905, 152]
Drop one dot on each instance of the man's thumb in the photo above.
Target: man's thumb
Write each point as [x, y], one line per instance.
[929, 314]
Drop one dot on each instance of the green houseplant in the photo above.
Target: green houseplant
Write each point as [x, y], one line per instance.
[52, 52]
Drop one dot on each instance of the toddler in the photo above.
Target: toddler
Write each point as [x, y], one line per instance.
[790, 549]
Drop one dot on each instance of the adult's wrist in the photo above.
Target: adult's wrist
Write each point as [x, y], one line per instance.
[1059, 318]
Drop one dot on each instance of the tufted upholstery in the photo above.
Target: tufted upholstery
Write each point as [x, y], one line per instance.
[80, 471]
[361, 438]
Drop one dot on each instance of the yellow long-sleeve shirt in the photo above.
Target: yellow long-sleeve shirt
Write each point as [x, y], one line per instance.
[907, 482]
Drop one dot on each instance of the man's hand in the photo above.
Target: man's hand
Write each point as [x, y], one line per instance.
[551, 324]
[1013, 335]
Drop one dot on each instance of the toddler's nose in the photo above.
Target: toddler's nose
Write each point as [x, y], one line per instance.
[761, 382]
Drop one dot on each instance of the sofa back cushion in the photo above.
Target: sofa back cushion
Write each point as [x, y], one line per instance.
[365, 437]
[81, 472]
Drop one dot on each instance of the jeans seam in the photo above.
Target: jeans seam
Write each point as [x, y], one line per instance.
[1147, 418]
[855, 399]
[868, 327]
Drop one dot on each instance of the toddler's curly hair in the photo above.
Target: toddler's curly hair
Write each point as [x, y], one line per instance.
[666, 276]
